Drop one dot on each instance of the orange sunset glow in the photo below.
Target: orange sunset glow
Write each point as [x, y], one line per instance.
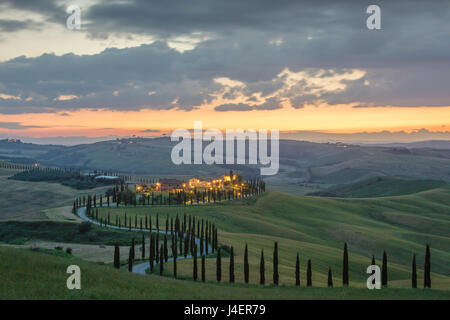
[339, 118]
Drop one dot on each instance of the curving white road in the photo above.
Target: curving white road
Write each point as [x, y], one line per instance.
[141, 267]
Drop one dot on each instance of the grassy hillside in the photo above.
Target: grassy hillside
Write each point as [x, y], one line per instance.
[29, 200]
[380, 187]
[318, 227]
[304, 166]
[27, 274]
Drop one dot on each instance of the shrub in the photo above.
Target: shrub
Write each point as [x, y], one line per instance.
[84, 227]
[69, 250]
[58, 248]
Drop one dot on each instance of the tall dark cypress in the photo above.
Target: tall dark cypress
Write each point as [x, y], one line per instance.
[231, 265]
[246, 267]
[203, 268]
[297, 270]
[195, 270]
[373, 263]
[414, 273]
[275, 265]
[427, 269]
[130, 260]
[143, 247]
[345, 267]
[218, 266]
[116, 257]
[166, 250]
[152, 251]
[309, 274]
[157, 247]
[175, 264]
[330, 278]
[384, 274]
[262, 271]
[161, 261]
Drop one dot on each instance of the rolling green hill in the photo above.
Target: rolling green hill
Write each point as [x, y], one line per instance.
[380, 187]
[317, 228]
[304, 166]
[27, 274]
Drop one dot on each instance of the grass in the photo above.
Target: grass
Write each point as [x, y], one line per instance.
[34, 275]
[317, 228]
[72, 179]
[20, 232]
[28, 200]
[381, 187]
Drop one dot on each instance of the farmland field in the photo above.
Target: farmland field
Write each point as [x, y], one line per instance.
[318, 227]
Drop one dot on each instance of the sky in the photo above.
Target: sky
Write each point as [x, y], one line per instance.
[145, 68]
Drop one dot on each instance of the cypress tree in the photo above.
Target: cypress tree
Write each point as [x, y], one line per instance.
[195, 271]
[116, 257]
[262, 276]
[157, 247]
[161, 262]
[143, 247]
[175, 264]
[218, 266]
[130, 260]
[231, 265]
[166, 250]
[203, 268]
[132, 247]
[330, 278]
[309, 274]
[427, 269]
[384, 275]
[345, 267]
[275, 265]
[414, 273]
[297, 270]
[152, 251]
[246, 267]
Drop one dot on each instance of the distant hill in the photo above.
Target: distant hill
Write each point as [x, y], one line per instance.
[380, 187]
[432, 144]
[302, 163]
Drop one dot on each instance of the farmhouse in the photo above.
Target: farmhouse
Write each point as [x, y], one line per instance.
[169, 185]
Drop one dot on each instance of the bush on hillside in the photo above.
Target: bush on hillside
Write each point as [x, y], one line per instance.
[84, 227]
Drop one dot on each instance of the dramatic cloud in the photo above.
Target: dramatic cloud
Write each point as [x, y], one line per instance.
[8, 25]
[251, 55]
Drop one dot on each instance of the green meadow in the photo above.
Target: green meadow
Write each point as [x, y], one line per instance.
[317, 228]
[29, 274]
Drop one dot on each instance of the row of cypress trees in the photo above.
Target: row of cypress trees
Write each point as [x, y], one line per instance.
[345, 270]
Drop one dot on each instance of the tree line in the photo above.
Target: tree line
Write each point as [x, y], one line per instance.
[275, 275]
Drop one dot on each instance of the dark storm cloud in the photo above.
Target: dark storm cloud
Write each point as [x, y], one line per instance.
[53, 10]
[407, 63]
[8, 25]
